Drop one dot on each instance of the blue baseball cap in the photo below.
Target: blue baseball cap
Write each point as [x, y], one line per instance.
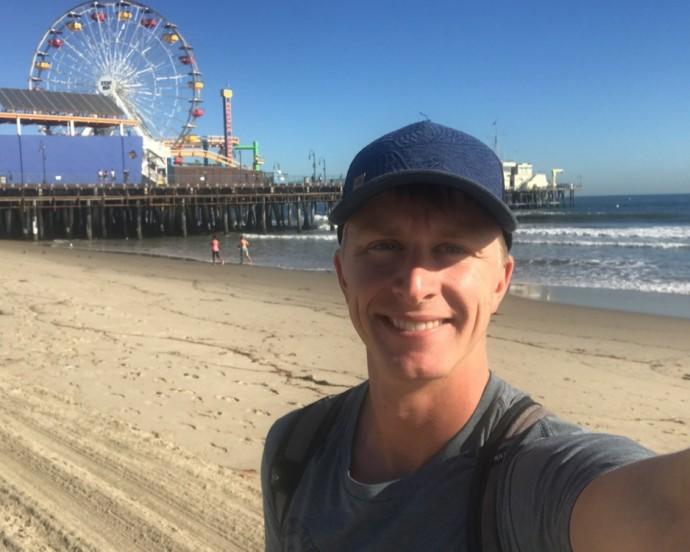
[426, 153]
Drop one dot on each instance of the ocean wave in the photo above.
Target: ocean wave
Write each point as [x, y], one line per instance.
[676, 287]
[598, 216]
[649, 232]
[590, 243]
[294, 237]
[584, 263]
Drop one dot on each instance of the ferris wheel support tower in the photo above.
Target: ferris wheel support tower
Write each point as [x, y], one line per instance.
[226, 94]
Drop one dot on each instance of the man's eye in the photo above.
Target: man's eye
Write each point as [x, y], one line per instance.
[384, 246]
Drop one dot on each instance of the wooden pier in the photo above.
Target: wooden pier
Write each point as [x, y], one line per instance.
[563, 196]
[138, 211]
[125, 211]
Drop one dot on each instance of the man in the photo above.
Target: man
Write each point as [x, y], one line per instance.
[243, 246]
[423, 264]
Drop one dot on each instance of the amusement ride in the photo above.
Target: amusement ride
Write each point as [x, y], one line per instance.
[141, 60]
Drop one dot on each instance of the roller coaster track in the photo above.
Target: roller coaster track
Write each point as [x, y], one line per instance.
[205, 154]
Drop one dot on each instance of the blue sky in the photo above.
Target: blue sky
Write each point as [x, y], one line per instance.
[600, 89]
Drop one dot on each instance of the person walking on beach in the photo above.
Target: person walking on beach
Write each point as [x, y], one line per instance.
[243, 246]
[215, 250]
[434, 451]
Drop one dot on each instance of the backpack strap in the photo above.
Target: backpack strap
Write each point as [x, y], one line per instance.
[519, 417]
[305, 434]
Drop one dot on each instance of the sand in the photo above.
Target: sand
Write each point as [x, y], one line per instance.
[135, 392]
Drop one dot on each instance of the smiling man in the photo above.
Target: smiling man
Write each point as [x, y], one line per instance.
[433, 451]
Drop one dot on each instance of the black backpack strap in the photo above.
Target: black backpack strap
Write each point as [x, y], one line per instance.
[519, 417]
[300, 441]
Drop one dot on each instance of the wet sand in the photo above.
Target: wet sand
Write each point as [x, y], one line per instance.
[135, 392]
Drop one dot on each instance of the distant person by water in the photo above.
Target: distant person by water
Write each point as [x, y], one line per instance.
[215, 250]
[243, 246]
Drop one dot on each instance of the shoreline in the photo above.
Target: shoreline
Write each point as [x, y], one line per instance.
[618, 300]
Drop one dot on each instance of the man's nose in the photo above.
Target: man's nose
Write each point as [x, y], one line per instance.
[416, 281]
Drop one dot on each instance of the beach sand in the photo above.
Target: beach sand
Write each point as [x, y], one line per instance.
[135, 392]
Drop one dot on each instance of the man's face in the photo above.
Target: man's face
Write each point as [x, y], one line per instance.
[421, 283]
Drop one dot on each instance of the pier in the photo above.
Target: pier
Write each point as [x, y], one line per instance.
[138, 211]
[562, 196]
[135, 211]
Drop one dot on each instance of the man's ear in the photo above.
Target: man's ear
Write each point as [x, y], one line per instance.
[338, 263]
[503, 282]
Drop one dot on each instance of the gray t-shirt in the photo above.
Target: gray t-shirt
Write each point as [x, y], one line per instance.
[428, 509]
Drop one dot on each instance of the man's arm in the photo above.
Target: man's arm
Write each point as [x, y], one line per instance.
[643, 506]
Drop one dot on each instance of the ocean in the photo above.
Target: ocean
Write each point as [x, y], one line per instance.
[628, 253]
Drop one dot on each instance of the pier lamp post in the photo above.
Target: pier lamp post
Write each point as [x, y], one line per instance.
[42, 149]
[322, 163]
[312, 156]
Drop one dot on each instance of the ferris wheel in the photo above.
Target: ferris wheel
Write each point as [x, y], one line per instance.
[129, 52]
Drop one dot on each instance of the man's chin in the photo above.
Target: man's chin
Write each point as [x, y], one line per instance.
[420, 370]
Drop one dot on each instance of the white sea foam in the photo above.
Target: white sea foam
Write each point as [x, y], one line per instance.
[650, 232]
[292, 237]
[592, 243]
[627, 284]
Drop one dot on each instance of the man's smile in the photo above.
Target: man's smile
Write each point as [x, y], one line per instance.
[408, 325]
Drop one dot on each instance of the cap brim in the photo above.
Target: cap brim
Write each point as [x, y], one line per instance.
[347, 206]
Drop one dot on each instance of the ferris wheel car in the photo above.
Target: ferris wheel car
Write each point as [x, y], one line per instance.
[149, 23]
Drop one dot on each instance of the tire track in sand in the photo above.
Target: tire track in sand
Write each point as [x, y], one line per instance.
[83, 498]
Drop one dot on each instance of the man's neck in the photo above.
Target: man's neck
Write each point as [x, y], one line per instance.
[401, 427]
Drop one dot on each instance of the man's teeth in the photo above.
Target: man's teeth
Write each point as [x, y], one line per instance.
[409, 326]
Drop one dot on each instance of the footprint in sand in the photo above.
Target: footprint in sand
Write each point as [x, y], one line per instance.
[214, 414]
[221, 447]
[227, 398]
[178, 390]
[192, 426]
[118, 395]
[188, 375]
[259, 411]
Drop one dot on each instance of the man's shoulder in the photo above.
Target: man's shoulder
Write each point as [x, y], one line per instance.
[556, 442]
[309, 417]
[501, 396]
